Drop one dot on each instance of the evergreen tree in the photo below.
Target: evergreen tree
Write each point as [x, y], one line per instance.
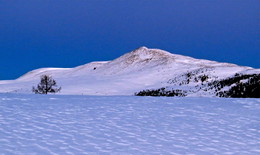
[46, 85]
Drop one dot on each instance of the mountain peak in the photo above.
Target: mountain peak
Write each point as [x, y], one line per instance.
[148, 52]
[142, 48]
[142, 57]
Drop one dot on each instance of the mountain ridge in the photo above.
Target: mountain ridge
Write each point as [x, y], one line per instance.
[142, 68]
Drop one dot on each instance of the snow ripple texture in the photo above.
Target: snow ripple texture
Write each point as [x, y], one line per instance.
[35, 124]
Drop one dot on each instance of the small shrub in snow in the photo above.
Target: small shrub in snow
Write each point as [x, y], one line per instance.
[46, 85]
[161, 92]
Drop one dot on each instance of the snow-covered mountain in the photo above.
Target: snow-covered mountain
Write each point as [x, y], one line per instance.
[137, 70]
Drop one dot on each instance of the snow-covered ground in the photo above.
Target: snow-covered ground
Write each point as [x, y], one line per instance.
[56, 124]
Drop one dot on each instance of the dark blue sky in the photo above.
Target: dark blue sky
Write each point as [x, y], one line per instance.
[68, 33]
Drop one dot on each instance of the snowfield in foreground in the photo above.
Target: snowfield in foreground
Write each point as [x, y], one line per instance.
[58, 124]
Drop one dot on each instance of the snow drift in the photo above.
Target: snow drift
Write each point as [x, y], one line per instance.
[40, 124]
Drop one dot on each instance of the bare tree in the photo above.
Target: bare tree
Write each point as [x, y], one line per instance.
[47, 85]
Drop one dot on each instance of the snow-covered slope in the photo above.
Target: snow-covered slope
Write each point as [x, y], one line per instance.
[39, 124]
[140, 69]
